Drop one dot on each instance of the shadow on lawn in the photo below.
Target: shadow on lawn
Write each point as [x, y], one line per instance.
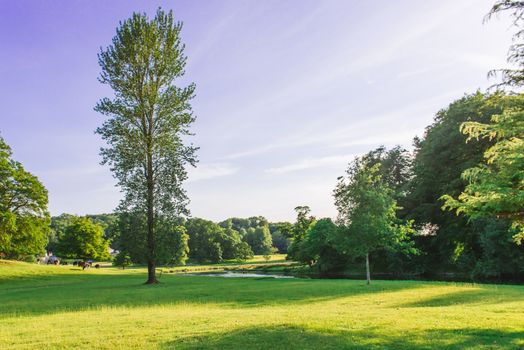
[73, 292]
[289, 337]
[486, 295]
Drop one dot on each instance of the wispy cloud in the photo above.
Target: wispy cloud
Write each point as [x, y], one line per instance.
[309, 163]
[210, 171]
[365, 130]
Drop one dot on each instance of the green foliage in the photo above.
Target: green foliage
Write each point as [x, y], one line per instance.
[395, 168]
[110, 224]
[243, 224]
[122, 259]
[319, 247]
[299, 232]
[496, 186]
[58, 226]
[132, 240]
[259, 239]
[500, 258]
[203, 245]
[24, 219]
[172, 248]
[244, 251]
[367, 213]
[148, 119]
[210, 242]
[281, 233]
[83, 239]
[440, 158]
[512, 77]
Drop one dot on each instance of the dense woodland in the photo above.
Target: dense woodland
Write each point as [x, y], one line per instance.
[450, 205]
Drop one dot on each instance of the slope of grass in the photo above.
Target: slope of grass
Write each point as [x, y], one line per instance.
[61, 307]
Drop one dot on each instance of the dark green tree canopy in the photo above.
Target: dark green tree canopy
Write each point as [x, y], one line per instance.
[496, 186]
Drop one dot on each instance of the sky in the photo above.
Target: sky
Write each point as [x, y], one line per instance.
[288, 91]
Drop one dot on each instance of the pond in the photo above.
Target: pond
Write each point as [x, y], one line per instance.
[235, 275]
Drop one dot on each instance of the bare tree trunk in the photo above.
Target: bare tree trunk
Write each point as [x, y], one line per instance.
[368, 273]
[151, 244]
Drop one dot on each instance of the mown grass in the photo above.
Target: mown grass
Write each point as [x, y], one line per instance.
[62, 307]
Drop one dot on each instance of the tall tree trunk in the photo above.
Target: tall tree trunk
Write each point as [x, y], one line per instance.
[368, 273]
[151, 244]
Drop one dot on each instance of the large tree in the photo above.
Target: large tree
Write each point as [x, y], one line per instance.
[441, 155]
[148, 118]
[367, 213]
[24, 219]
[496, 185]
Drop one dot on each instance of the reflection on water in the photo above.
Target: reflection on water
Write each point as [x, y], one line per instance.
[236, 274]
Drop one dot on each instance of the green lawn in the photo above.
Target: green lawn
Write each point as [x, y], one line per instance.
[61, 307]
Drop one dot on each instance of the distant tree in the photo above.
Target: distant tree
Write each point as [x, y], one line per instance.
[83, 239]
[132, 239]
[173, 246]
[110, 224]
[122, 259]
[319, 246]
[148, 119]
[259, 240]
[243, 224]
[496, 186]
[281, 233]
[243, 251]
[172, 239]
[299, 232]
[203, 234]
[210, 242]
[228, 240]
[58, 226]
[366, 212]
[24, 219]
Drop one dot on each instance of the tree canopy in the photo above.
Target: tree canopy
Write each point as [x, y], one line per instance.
[496, 186]
[367, 213]
[83, 239]
[147, 120]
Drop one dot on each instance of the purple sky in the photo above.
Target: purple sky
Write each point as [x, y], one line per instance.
[288, 92]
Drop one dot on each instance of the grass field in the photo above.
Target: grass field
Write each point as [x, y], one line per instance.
[61, 307]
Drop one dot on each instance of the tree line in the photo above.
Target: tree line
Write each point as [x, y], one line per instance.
[203, 241]
[453, 204]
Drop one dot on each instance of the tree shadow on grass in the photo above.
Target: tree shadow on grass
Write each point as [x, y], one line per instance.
[78, 291]
[292, 337]
[486, 295]
[73, 292]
